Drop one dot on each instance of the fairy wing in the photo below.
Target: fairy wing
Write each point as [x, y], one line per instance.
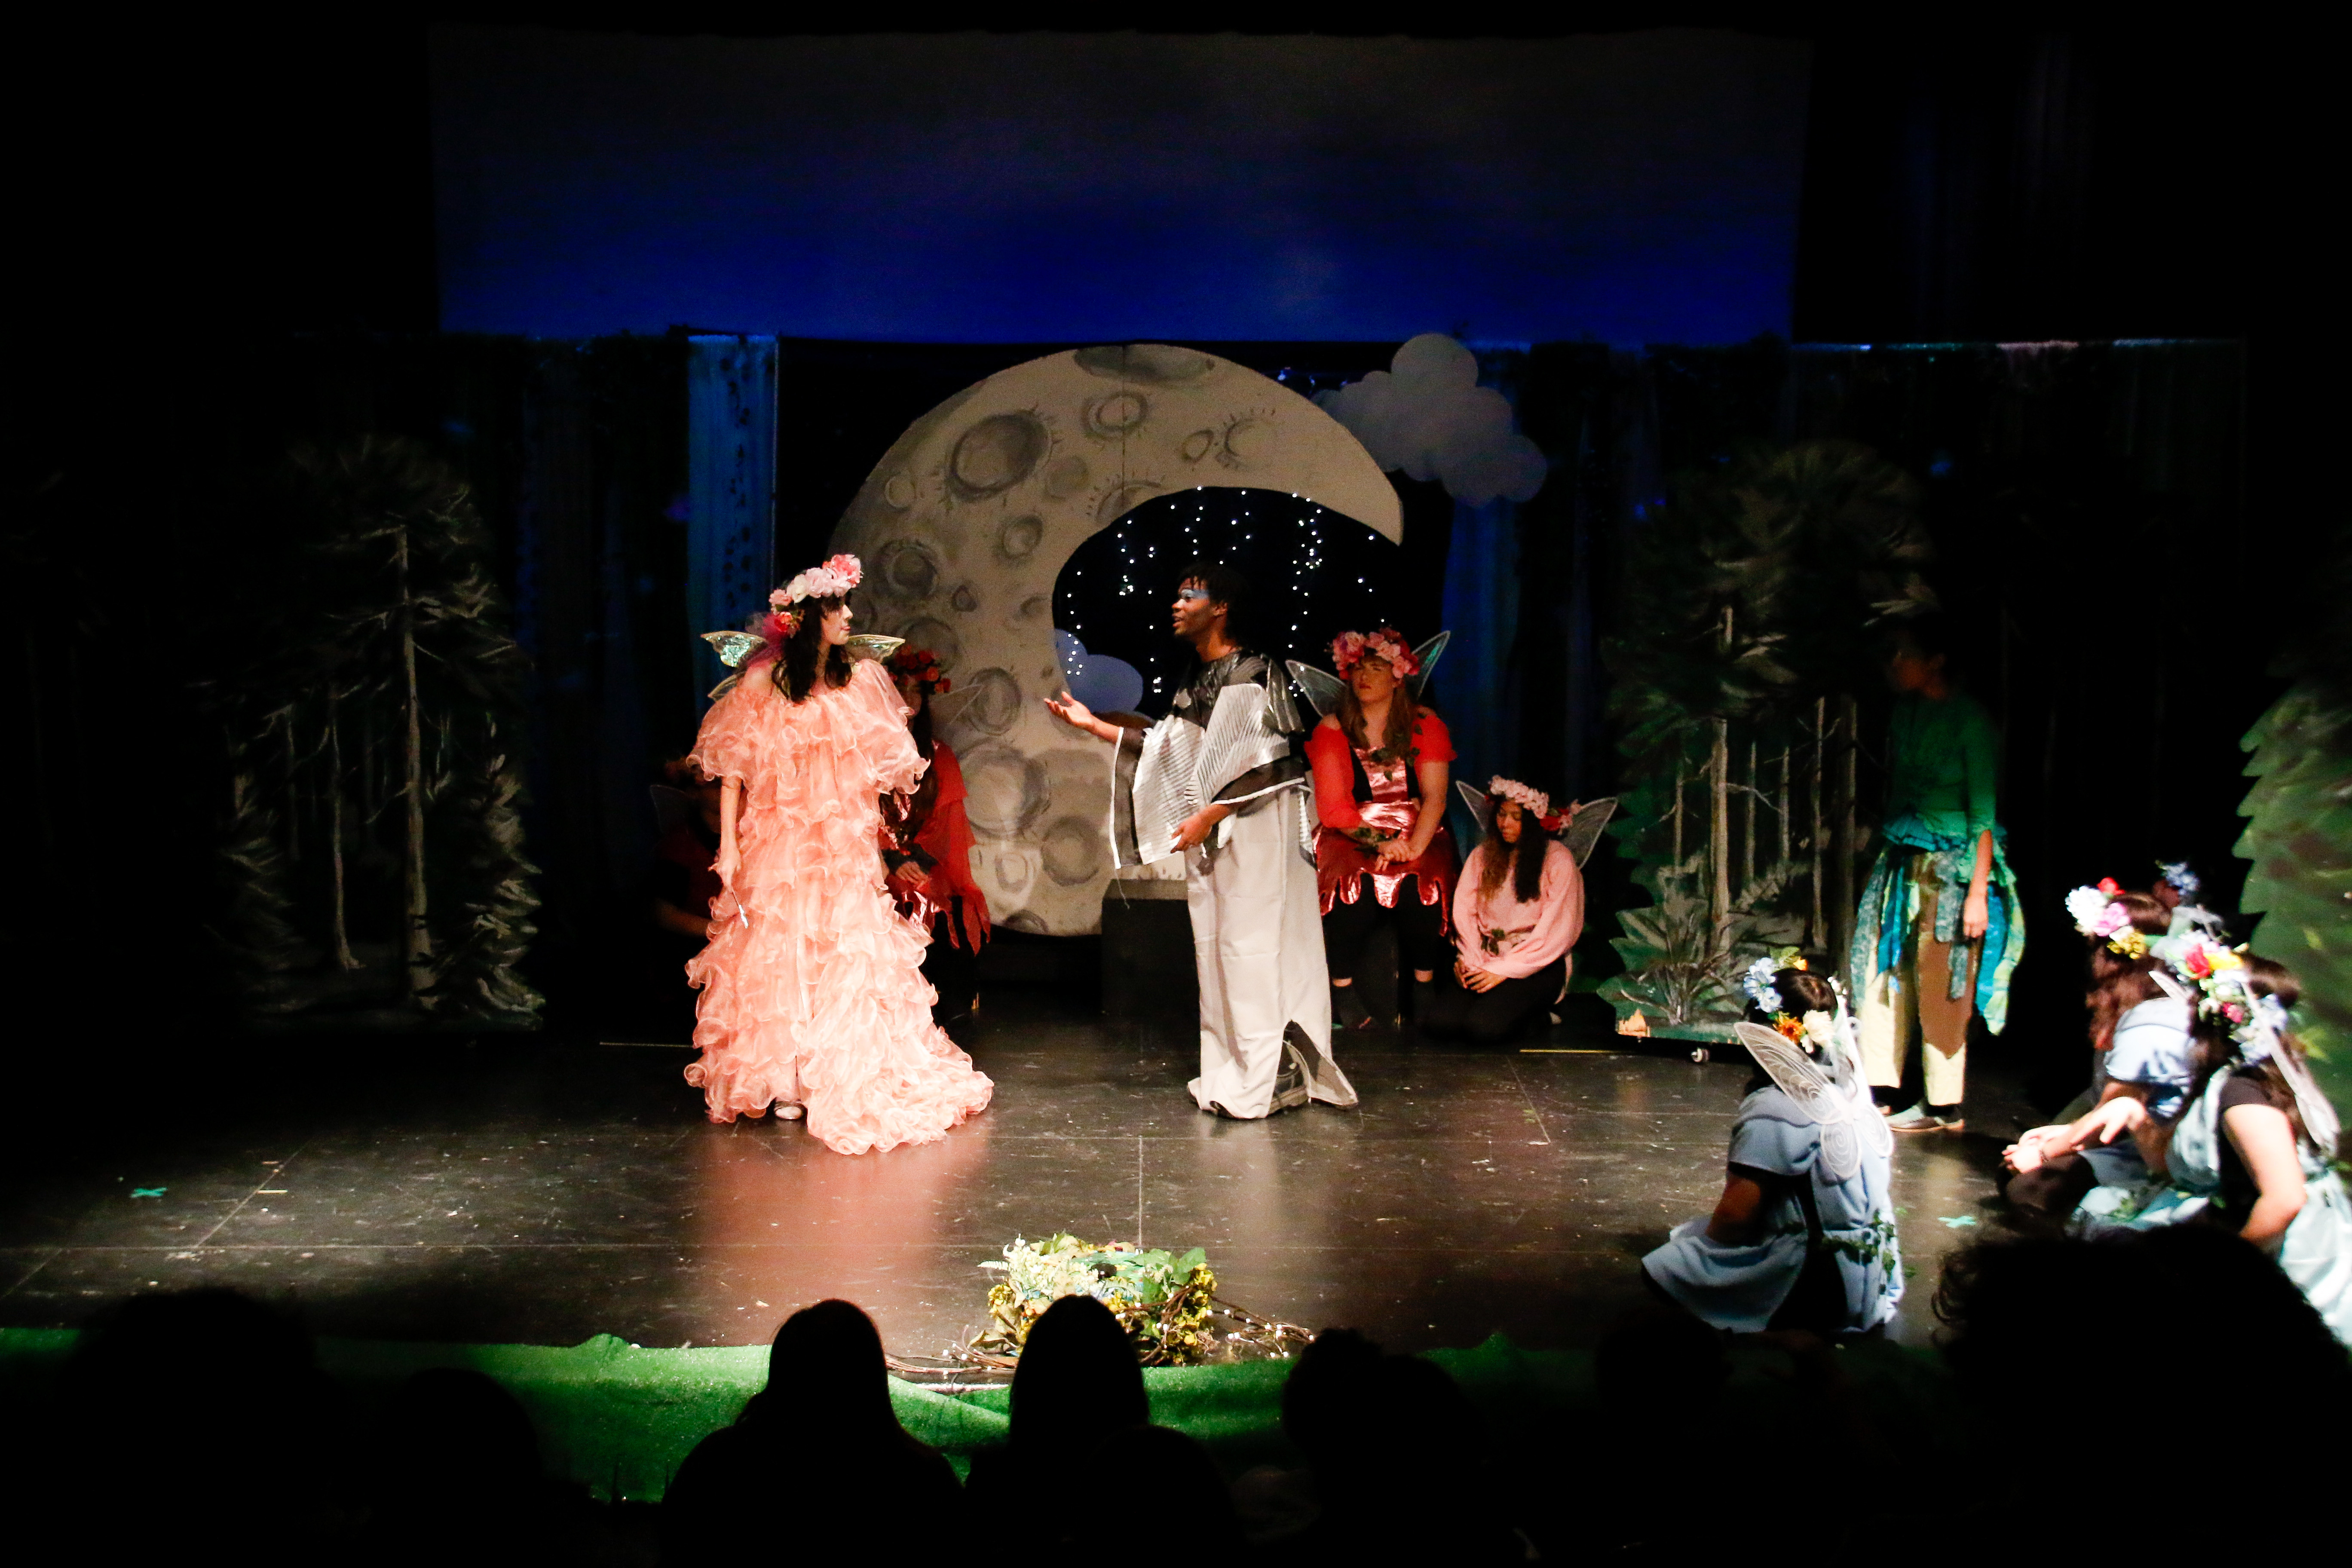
[1322, 687]
[733, 647]
[1426, 656]
[1582, 834]
[1813, 1092]
[867, 645]
[1474, 797]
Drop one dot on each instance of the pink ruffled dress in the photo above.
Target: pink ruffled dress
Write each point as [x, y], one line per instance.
[811, 985]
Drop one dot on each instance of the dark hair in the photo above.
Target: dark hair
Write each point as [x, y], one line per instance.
[2119, 983]
[1802, 992]
[827, 1359]
[919, 724]
[795, 673]
[1077, 1378]
[2212, 1048]
[1934, 636]
[1524, 861]
[1225, 586]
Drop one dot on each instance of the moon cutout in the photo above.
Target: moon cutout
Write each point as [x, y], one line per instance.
[974, 508]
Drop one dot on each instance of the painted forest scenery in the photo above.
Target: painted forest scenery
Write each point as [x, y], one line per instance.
[1756, 605]
[372, 848]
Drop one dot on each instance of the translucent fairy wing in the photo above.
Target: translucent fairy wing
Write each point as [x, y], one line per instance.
[1322, 687]
[733, 647]
[1582, 834]
[948, 708]
[1842, 1147]
[722, 688]
[867, 645]
[1426, 656]
[1474, 797]
[1814, 1092]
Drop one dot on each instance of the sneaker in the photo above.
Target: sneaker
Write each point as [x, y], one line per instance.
[1925, 1118]
[1290, 1083]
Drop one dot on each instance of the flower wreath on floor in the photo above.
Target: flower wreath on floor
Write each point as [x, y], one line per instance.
[1166, 1302]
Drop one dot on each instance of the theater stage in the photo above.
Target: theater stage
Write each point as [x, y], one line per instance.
[522, 1189]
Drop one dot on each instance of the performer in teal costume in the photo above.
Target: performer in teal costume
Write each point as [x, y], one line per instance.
[1938, 931]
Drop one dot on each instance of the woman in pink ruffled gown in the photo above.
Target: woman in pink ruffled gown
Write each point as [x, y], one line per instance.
[812, 995]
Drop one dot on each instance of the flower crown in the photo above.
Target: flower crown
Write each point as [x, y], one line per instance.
[2184, 880]
[2219, 976]
[923, 665]
[2097, 914]
[1350, 649]
[1532, 801]
[833, 580]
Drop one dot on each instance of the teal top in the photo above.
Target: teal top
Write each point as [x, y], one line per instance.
[1943, 757]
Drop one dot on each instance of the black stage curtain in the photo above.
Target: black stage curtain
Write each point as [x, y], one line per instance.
[140, 475]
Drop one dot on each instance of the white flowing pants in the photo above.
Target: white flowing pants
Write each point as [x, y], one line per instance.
[1257, 942]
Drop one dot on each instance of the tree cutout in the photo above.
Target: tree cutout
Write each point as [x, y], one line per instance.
[1754, 606]
[373, 849]
[2299, 837]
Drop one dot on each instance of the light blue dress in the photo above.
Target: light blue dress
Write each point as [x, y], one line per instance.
[2153, 1049]
[2315, 1252]
[1739, 1287]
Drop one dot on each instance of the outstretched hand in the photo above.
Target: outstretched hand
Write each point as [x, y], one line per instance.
[1078, 716]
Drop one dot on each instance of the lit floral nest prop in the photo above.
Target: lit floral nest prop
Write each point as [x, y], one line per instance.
[1166, 1302]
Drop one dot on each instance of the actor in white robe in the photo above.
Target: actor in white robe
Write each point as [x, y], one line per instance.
[1222, 780]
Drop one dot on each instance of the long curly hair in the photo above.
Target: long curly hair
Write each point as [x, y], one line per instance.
[2215, 1048]
[1523, 862]
[806, 652]
[2119, 983]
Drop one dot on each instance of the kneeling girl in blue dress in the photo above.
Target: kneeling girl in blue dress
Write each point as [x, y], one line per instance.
[1803, 1235]
[2254, 1151]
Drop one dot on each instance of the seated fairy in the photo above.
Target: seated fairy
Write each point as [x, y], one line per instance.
[2254, 1149]
[1803, 1235]
[2086, 1166]
[1518, 911]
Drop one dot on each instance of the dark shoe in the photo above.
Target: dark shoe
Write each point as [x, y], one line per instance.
[1925, 1118]
[1290, 1083]
[1347, 1009]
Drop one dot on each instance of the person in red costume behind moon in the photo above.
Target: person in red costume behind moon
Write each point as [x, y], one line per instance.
[1383, 853]
[929, 847]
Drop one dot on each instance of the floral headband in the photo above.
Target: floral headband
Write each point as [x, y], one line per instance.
[2257, 1025]
[1350, 649]
[833, 580]
[2097, 914]
[2185, 881]
[1532, 801]
[923, 666]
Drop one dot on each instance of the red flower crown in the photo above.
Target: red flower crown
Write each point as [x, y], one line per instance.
[923, 666]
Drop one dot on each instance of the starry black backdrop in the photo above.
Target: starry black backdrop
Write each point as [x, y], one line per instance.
[1313, 574]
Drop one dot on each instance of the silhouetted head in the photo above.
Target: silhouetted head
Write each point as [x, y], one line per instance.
[1330, 1394]
[1660, 1366]
[825, 1365]
[1076, 1378]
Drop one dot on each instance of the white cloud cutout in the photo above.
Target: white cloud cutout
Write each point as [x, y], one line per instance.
[1427, 415]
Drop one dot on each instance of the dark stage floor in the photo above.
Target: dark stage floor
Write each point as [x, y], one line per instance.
[529, 1191]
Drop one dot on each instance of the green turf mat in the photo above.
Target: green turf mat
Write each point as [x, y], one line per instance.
[619, 1419]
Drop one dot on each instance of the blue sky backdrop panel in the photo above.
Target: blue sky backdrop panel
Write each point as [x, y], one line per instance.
[1631, 188]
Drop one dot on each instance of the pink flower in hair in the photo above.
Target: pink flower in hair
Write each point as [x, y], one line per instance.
[1387, 644]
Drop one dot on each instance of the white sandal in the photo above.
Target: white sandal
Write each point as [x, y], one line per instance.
[790, 1112]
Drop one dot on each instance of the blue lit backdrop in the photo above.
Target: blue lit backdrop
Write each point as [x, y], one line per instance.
[1627, 187]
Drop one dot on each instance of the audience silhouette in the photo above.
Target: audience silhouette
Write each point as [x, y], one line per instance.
[2185, 1351]
[817, 1456]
